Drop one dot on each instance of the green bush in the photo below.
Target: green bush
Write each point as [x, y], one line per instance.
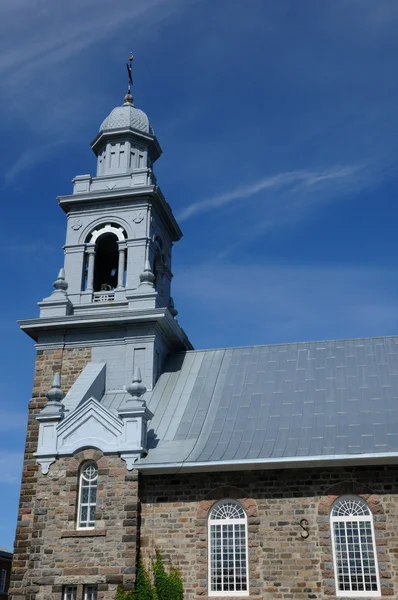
[166, 586]
[120, 594]
[160, 579]
[143, 586]
[176, 589]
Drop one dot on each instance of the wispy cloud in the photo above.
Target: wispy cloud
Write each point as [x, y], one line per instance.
[259, 304]
[44, 48]
[61, 41]
[291, 181]
[30, 157]
[25, 249]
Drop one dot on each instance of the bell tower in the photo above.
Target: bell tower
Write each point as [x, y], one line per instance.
[116, 280]
[102, 338]
[120, 228]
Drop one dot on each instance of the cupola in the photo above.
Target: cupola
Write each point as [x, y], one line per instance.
[126, 142]
[127, 115]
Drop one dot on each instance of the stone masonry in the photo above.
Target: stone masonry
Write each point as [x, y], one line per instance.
[283, 562]
[169, 513]
[49, 551]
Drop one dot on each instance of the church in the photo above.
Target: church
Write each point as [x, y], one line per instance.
[265, 472]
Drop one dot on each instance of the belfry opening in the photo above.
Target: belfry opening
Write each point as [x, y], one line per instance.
[106, 263]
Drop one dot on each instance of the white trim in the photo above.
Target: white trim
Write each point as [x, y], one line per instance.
[356, 519]
[108, 228]
[222, 522]
[287, 462]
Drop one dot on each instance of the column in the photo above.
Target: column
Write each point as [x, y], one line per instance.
[121, 266]
[90, 249]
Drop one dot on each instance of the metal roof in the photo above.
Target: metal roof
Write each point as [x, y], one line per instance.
[278, 402]
[5, 553]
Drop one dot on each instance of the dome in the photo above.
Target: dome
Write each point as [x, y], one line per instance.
[127, 116]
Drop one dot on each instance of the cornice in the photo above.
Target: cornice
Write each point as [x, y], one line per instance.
[124, 195]
[161, 317]
[288, 462]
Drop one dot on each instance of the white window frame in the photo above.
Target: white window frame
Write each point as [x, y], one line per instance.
[88, 591]
[69, 592]
[84, 482]
[3, 580]
[223, 522]
[353, 518]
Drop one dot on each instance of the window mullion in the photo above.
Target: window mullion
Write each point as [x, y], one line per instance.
[222, 556]
[361, 553]
[347, 554]
[234, 554]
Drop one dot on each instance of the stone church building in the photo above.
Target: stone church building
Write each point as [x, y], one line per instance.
[261, 472]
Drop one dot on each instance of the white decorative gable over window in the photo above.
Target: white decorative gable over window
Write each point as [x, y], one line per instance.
[83, 422]
[228, 550]
[354, 548]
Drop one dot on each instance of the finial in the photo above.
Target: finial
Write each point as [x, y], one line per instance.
[137, 388]
[60, 283]
[147, 277]
[128, 97]
[55, 394]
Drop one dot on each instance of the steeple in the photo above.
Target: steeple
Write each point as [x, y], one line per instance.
[126, 141]
[118, 250]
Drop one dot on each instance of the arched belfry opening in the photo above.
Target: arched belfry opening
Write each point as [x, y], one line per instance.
[106, 263]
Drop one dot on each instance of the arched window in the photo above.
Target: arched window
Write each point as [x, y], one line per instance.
[228, 550]
[87, 496]
[105, 262]
[354, 548]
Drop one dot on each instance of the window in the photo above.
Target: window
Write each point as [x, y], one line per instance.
[70, 592]
[90, 592]
[87, 496]
[354, 548]
[3, 580]
[228, 550]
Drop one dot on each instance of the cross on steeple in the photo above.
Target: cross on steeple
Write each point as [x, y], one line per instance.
[129, 66]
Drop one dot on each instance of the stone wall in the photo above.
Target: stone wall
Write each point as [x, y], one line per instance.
[70, 363]
[282, 564]
[170, 513]
[105, 555]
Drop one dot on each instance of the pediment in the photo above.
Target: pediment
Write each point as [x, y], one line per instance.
[91, 424]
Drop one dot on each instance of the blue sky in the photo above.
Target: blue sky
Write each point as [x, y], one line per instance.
[278, 122]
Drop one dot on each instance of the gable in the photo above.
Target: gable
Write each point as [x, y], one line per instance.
[89, 425]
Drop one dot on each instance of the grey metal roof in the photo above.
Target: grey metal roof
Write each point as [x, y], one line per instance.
[5, 553]
[315, 399]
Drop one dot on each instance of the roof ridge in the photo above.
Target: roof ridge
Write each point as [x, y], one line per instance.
[380, 337]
